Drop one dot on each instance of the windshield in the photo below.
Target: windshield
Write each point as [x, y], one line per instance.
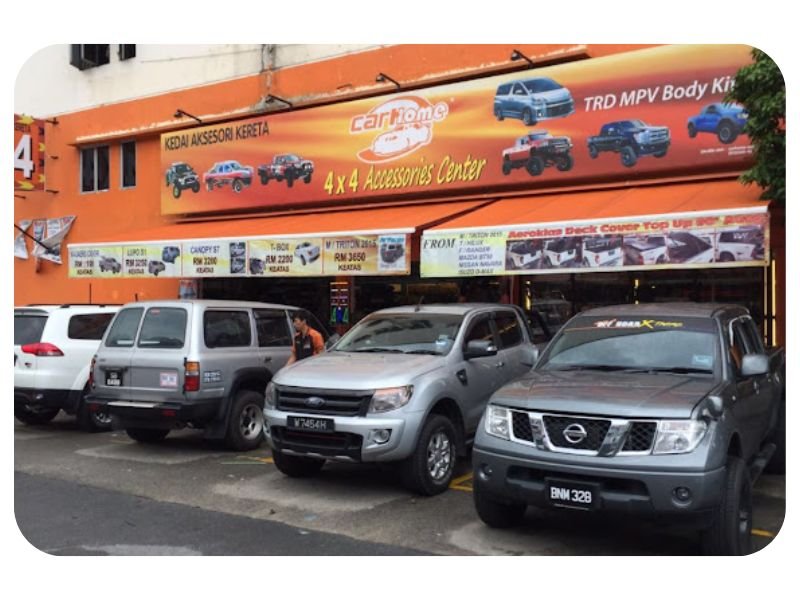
[636, 124]
[640, 344]
[403, 333]
[541, 85]
[181, 169]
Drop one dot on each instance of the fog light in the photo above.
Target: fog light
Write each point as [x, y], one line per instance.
[682, 494]
[380, 436]
[485, 472]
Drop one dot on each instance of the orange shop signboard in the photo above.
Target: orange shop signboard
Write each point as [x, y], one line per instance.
[642, 114]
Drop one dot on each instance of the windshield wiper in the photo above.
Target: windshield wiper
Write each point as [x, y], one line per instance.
[393, 350]
[678, 370]
[589, 368]
[433, 352]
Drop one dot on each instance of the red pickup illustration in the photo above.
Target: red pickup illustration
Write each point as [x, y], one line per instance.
[537, 150]
[228, 172]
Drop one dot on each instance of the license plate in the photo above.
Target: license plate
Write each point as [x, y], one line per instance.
[114, 378]
[309, 424]
[570, 494]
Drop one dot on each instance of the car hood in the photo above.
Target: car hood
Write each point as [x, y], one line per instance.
[625, 395]
[558, 95]
[357, 371]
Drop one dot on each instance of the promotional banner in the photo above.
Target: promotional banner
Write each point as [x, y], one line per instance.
[266, 257]
[28, 153]
[637, 244]
[635, 115]
[20, 247]
[55, 230]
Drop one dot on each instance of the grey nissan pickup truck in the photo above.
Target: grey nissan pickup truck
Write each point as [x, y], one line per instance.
[666, 410]
[405, 385]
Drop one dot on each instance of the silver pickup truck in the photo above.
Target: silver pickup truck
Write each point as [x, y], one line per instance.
[405, 385]
[659, 409]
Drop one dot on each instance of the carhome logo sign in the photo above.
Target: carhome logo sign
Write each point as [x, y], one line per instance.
[403, 125]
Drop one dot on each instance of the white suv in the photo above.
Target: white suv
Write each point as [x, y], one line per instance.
[53, 348]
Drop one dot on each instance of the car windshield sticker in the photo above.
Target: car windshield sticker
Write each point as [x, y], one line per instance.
[702, 360]
[638, 324]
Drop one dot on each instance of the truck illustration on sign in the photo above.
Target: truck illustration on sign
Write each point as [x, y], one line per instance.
[532, 100]
[631, 139]
[182, 177]
[537, 150]
[228, 172]
[286, 167]
[725, 120]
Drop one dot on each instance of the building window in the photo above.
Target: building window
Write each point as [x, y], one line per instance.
[128, 164]
[86, 56]
[126, 51]
[94, 169]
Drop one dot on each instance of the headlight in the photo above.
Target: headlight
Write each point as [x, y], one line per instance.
[497, 421]
[640, 137]
[270, 396]
[678, 437]
[390, 398]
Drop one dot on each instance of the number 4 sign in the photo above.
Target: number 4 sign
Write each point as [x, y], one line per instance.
[28, 153]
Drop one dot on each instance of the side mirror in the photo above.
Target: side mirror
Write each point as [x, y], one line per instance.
[332, 340]
[530, 354]
[479, 348]
[754, 364]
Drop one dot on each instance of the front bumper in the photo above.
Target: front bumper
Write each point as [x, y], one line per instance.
[163, 415]
[644, 489]
[351, 439]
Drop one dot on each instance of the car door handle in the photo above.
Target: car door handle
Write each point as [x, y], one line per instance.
[268, 359]
[500, 365]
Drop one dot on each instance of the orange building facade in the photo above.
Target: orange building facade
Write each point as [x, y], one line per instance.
[515, 207]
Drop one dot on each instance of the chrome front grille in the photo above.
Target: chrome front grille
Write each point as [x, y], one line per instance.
[582, 434]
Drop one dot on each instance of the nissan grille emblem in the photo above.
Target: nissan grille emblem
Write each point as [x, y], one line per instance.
[315, 402]
[574, 433]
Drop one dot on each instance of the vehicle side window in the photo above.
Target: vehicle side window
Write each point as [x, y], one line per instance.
[508, 330]
[480, 329]
[163, 328]
[738, 346]
[753, 337]
[518, 90]
[28, 328]
[124, 328]
[226, 328]
[88, 327]
[272, 328]
[503, 90]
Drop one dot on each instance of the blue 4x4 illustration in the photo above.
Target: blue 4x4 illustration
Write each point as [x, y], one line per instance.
[726, 120]
[631, 139]
[532, 100]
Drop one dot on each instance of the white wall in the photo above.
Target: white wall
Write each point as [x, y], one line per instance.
[48, 85]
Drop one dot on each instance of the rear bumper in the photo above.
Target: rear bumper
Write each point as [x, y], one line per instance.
[38, 398]
[162, 415]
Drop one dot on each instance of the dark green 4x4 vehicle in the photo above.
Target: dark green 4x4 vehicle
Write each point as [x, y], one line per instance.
[653, 409]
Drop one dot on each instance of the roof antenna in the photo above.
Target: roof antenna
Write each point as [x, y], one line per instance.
[419, 304]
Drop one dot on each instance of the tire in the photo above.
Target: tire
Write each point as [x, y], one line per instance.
[506, 166]
[237, 185]
[209, 186]
[586, 262]
[176, 191]
[527, 117]
[289, 181]
[429, 469]
[660, 154]
[264, 179]
[35, 417]
[495, 514]
[297, 466]
[102, 269]
[777, 464]
[303, 260]
[729, 533]
[726, 257]
[246, 421]
[535, 166]
[92, 421]
[307, 178]
[661, 260]
[565, 163]
[195, 187]
[692, 130]
[146, 436]
[726, 132]
[499, 114]
[593, 151]
[628, 156]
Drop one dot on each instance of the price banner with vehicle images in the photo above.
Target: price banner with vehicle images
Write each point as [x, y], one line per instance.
[720, 240]
[261, 257]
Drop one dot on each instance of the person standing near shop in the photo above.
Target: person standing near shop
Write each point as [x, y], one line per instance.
[307, 340]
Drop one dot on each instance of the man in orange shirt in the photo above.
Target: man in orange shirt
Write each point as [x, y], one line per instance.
[307, 341]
